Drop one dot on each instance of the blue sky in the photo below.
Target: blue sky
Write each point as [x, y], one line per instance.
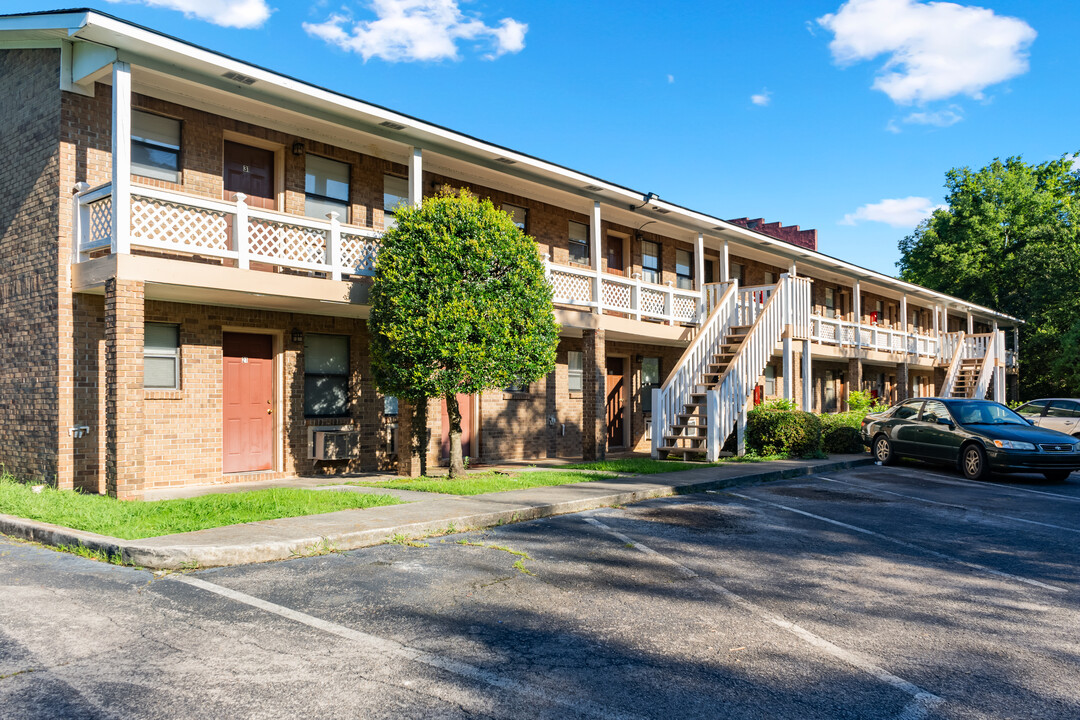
[840, 116]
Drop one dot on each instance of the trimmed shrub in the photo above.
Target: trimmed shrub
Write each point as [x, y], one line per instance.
[783, 432]
[840, 432]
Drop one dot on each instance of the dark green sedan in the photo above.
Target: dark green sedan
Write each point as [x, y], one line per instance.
[977, 436]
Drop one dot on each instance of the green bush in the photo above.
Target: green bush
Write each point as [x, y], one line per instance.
[840, 432]
[783, 432]
[861, 401]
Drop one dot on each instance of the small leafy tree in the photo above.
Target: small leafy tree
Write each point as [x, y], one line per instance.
[460, 304]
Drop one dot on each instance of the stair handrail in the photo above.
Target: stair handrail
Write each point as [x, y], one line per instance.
[986, 372]
[686, 375]
[953, 372]
[736, 384]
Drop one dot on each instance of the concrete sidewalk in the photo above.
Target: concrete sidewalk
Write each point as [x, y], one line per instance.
[426, 514]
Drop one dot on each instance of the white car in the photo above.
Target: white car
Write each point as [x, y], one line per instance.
[1061, 414]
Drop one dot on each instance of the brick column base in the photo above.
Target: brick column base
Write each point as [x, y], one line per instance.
[593, 395]
[124, 420]
[903, 382]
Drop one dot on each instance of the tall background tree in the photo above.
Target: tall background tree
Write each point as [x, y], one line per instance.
[1009, 239]
[460, 304]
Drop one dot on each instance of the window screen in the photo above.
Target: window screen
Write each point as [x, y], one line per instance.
[326, 375]
[326, 187]
[684, 269]
[161, 356]
[650, 262]
[574, 372]
[155, 146]
[579, 243]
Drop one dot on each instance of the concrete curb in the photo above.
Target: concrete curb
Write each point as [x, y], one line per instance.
[181, 556]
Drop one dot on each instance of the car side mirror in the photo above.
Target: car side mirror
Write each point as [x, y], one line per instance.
[945, 421]
[1030, 421]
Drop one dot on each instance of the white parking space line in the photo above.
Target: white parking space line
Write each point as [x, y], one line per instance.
[392, 648]
[946, 480]
[951, 505]
[922, 702]
[910, 546]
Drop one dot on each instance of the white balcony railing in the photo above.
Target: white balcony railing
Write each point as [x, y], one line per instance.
[832, 331]
[230, 231]
[641, 300]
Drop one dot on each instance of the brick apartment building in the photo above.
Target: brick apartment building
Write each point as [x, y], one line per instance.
[187, 243]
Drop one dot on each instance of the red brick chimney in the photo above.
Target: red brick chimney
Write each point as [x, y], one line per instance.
[789, 234]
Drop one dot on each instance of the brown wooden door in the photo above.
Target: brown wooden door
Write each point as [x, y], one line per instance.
[250, 170]
[465, 407]
[615, 264]
[248, 400]
[616, 412]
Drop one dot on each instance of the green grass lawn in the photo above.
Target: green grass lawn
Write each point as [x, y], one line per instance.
[648, 466]
[488, 482]
[133, 519]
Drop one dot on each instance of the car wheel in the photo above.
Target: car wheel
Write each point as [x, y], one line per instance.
[1057, 475]
[883, 450]
[973, 463]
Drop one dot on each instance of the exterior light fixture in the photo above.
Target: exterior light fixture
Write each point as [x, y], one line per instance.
[297, 336]
[648, 198]
[298, 148]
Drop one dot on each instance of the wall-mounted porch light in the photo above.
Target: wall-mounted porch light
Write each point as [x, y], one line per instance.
[297, 336]
[298, 148]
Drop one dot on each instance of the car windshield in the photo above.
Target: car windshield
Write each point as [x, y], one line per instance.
[984, 413]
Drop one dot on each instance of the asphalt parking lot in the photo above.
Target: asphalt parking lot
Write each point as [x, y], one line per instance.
[900, 592]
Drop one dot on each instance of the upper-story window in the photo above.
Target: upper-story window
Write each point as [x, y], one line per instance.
[770, 278]
[155, 146]
[650, 261]
[326, 187]
[878, 316]
[518, 213]
[830, 302]
[579, 243]
[684, 269]
[395, 194]
[737, 272]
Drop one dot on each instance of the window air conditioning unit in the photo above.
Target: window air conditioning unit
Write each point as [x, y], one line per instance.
[337, 445]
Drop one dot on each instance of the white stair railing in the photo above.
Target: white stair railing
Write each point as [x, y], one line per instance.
[955, 343]
[669, 399]
[986, 372]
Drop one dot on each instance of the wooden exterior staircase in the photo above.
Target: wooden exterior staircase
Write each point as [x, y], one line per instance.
[976, 366]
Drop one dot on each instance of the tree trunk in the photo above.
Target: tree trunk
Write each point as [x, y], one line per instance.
[453, 414]
[419, 439]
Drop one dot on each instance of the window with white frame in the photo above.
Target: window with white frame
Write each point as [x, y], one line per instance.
[770, 278]
[650, 379]
[770, 380]
[574, 372]
[579, 243]
[830, 302]
[395, 195]
[650, 262]
[326, 375]
[326, 187]
[161, 356]
[737, 272]
[684, 269]
[878, 317]
[518, 213]
[155, 146]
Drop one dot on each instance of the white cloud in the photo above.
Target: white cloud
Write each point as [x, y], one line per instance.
[763, 98]
[933, 50]
[228, 13]
[899, 212]
[670, 79]
[940, 118]
[406, 30]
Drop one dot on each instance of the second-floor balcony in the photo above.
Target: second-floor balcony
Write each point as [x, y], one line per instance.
[844, 333]
[225, 232]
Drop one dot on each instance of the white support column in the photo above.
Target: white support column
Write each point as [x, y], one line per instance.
[80, 222]
[807, 378]
[725, 263]
[712, 412]
[121, 157]
[904, 322]
[857, 306]
[333, 245]
[970, 323]
[416, 176]
[999, 364]
[699, 264]
[791, 269]
[789, 367]
[596, 245]
[240, 232]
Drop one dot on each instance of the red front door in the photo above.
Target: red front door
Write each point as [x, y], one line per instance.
[465, 404]
[616, 434]
[248, 400]
[250, 170]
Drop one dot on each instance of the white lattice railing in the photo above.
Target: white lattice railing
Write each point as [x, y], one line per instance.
[578, 286]
[832, 331]
[163, 220]
[668, 399]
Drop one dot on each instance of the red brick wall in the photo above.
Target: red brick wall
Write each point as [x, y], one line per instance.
[30, 272]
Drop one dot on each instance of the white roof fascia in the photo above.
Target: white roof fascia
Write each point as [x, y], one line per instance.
[160, 52]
